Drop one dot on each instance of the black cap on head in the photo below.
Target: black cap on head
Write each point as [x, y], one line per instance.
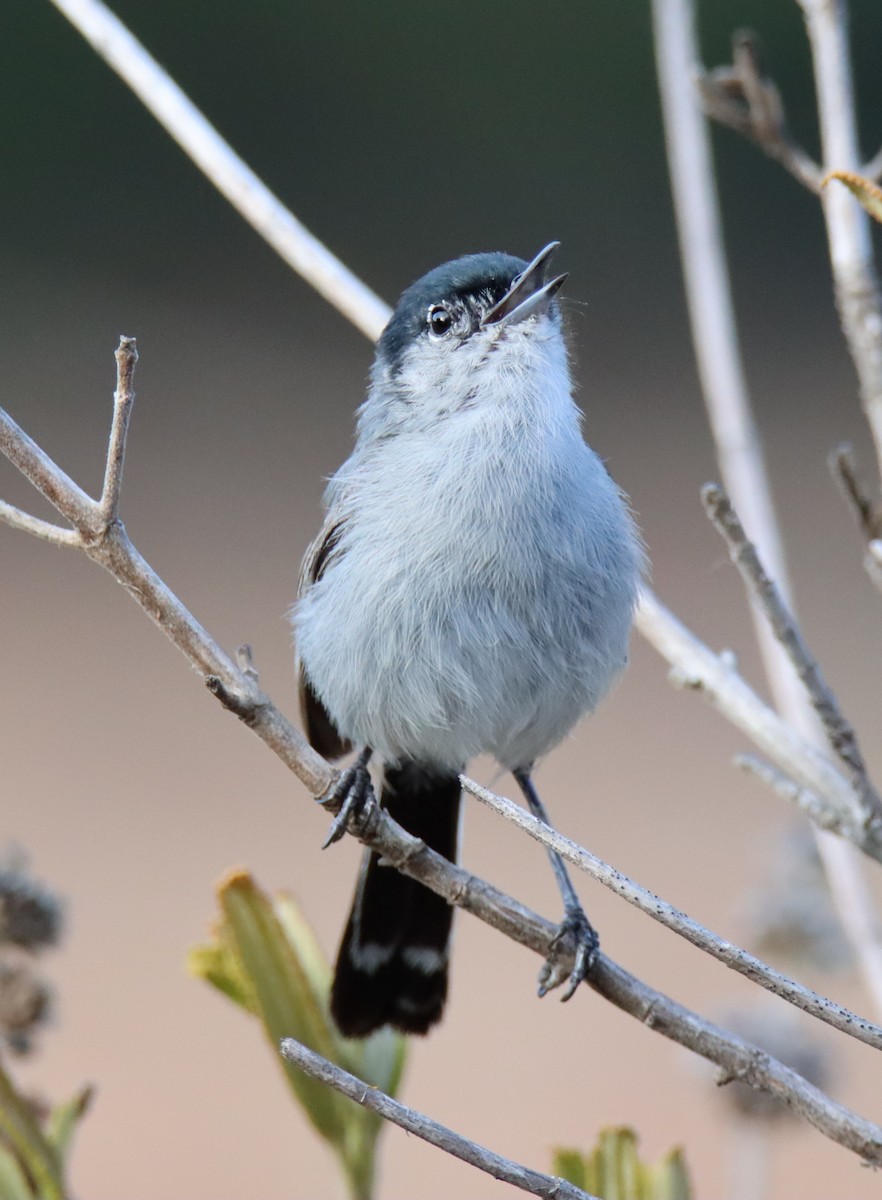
[489, 275]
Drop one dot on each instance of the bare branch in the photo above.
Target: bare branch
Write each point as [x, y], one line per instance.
[848, 226]
[698, 668]
[743, 98]
[110, 546]
[430, 1131]
[873, 562]
[291, 240]
[56, 534]
[845, 471]
[873, 168]
[672, 918]
[46, 476]
[840, 733]
[788, 789]
[737, 1058]
[123, 398]
[844, 468]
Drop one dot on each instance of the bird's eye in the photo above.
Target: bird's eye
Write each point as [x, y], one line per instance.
[439, 319]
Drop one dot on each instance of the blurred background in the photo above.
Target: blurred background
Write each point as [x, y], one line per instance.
[403, 135]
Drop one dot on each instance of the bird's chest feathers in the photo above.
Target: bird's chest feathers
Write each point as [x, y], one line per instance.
[475, 497]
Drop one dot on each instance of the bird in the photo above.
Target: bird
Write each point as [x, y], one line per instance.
[471, 591]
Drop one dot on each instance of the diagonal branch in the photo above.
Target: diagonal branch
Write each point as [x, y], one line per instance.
[840, 733]
[845, 471]
[736, 1057]
[291, 240]
[696, 667]
[672, 918]
[873, 168]
[436, 1134]
[56, 534]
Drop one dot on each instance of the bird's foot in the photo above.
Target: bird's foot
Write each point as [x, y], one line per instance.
[578, 929]
[356, 792]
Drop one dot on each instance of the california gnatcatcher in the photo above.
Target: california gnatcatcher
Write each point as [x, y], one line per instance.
[471, 592]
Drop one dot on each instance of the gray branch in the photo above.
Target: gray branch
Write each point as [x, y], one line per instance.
[743, 98]
[430, 1131]
[848, 226]
[57, 534]
[840, 733]
[873, 169]
[672, 918]
[123, 398]
[696, 667]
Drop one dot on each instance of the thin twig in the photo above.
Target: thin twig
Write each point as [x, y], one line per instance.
[672, 918]
[57, 534]
[745, 100]
[873, 562]
[844, 469]
[848, 226]
[696, 667]
[873, 168]
[245, 661]
[291, 240]
[840, 733]
[123, 398]
[845, 472]
[46, 476]
[788, 789]
[410, 855]
[111, 547]
[430, 1131]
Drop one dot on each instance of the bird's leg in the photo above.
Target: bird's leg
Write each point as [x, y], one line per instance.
[575, 922]
[355, 790]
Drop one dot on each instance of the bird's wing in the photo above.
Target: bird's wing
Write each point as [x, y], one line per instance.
[320, 729]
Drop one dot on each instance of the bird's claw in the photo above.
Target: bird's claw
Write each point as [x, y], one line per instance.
[355, 790]
[579, 929]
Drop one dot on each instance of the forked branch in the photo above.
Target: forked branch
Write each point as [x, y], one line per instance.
[744, 98]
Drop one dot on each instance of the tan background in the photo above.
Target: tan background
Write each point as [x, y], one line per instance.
[130, 788]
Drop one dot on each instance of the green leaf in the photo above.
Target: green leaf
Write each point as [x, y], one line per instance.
[217, 964]
[284, 998]
[302, 938]
[869, 195]
[613, 1170]
[383, 1056]
[28, 1144]
[13, 1184]
[64, 1119]
[265, 957]
[671, 1178]
[570, 1165]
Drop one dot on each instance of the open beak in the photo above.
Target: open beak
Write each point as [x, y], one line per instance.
[529, 293]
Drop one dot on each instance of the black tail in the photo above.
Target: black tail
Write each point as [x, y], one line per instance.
[392, 964]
